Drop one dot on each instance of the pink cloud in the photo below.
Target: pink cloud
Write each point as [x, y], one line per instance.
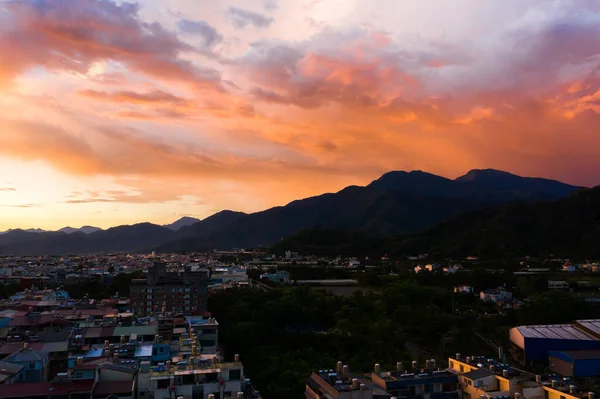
[63, 35]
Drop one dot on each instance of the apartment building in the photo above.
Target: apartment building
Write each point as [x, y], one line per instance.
[486, 379]
[182, 291]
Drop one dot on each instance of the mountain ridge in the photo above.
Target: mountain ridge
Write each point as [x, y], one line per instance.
[396, 203]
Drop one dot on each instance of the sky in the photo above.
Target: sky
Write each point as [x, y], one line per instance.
[114, 112]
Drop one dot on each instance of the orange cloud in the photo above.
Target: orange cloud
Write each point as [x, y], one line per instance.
[153, 97]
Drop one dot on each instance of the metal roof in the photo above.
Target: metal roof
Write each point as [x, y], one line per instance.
[139, 330]
[26, 355]
[556, 331]
[592, 325]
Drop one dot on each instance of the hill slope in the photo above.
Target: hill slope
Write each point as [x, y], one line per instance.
[568, 227]
[396, 203]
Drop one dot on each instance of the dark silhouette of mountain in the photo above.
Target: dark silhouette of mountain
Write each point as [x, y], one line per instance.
[183, 222]
[479, 184]
[569, 227]
[83, 229]
[197, 237]
[396, 203]
[133, 238]
[26, 231]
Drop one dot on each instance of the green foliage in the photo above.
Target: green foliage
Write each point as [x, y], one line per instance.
[121, 283]
[6, 290]
[272, 330]
[555, 307]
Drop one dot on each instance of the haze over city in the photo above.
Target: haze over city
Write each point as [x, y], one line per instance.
[116, 113]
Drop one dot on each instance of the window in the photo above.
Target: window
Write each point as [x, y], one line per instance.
[32, 366]
[163, 383]
[235, 375]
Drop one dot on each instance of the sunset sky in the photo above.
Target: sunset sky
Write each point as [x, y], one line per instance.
[115, 113]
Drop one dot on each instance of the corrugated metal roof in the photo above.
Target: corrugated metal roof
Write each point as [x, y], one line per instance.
[139, 330]
[61, 346]
[556, 331]
[592, 325]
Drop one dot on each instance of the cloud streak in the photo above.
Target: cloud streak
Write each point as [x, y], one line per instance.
[241, 18]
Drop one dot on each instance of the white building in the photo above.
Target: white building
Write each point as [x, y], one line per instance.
[495, 295]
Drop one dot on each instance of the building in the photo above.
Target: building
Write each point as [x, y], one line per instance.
[10, 373]
[484, 378]
[183, 291]
[279, 277]
[463, 289]
[192, 374]
[35, 364]
[330, 384]
[495, 295]
[531, 344]
[425, 383]
[581, 363]
[422, 383]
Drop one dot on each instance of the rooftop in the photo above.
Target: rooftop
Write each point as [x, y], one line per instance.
[555, 331]
[477, 374]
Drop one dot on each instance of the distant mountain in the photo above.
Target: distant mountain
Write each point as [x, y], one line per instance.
[396, 203]
[84, 229]
[134, 238]
[569, 227]
[478, 184]
[183, 222]
[26, 230]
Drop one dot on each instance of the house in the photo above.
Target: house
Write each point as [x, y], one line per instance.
[452, 269]
[10, 373]
[495, 295]
[432, 267]
[569, 268]
[463, 289]
[35, 364]
[281, 276]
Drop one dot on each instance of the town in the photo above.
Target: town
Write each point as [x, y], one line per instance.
[150, 326]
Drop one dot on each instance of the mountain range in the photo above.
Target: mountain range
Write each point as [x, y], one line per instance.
[565, 228]
[396, 203]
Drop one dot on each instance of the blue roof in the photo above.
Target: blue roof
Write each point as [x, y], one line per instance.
[26, 355]
[93, 352]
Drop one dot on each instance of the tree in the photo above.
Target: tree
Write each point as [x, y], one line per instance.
[555, 307]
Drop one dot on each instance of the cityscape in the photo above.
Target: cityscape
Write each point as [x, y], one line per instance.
[299, 199]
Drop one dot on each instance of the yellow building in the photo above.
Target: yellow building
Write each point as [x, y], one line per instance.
[481, 378]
